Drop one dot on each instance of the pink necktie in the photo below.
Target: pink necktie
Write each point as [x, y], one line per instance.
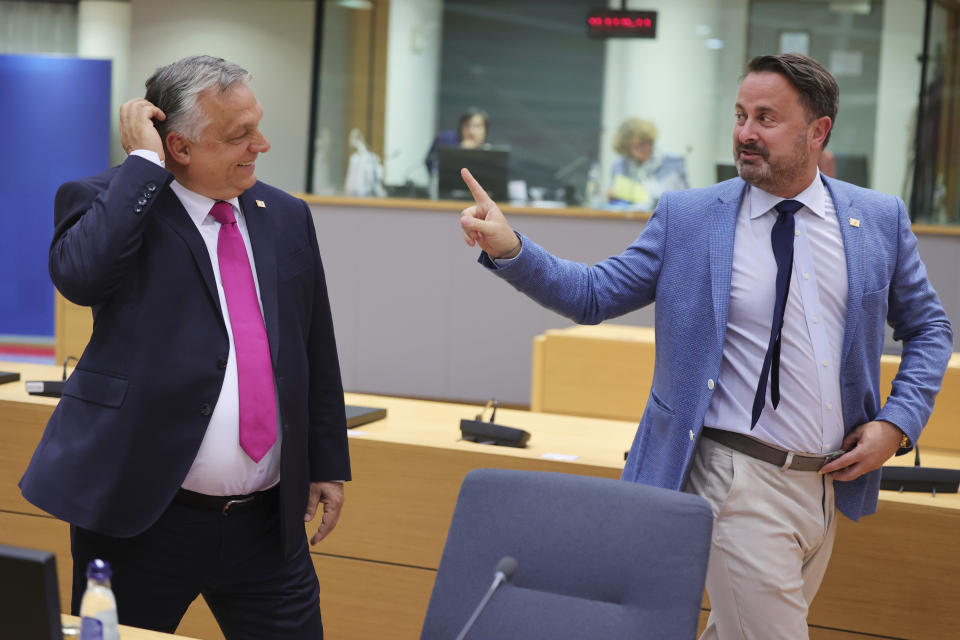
[258, 405]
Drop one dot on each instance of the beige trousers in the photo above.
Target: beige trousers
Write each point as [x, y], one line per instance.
[773, 534]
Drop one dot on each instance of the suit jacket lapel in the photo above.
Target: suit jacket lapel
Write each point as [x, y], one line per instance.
[853, 249]
[723, 227]
[173, 213]
[263, 244]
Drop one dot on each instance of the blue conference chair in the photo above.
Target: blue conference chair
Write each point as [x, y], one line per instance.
[596, 558]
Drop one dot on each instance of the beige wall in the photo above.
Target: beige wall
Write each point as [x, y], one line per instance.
[273, 40]
[413, 77]
[687, 88]
[103, 31]
[900, 44]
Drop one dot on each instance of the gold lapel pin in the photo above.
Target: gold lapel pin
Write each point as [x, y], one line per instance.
[262, 205]
[853, 221]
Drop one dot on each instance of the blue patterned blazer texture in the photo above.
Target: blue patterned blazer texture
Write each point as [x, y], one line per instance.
[683, 261]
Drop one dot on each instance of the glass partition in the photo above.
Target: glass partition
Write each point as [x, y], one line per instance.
[936, 172]
[558, 118]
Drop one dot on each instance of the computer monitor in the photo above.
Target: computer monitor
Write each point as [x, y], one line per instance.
[852, 168]
[489, 165]
[29, 597]
[726, 170]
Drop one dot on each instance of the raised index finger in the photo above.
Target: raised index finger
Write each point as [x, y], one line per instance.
[479, 195]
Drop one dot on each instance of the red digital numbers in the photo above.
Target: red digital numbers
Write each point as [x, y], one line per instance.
[616, 23]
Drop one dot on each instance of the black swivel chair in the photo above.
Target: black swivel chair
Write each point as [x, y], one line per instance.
[597, 558]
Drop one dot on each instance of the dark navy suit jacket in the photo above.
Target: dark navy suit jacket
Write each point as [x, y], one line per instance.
[135, 410]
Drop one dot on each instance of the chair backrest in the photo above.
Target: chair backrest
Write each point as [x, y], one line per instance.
[597, 558]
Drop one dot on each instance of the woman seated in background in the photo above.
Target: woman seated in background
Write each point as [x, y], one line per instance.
[471, 133]
[641, 173]
[473, 128]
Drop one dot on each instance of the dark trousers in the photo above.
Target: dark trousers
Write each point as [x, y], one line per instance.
[234, 561]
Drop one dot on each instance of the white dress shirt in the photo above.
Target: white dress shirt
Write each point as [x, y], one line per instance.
[809, 416]
[221, 466]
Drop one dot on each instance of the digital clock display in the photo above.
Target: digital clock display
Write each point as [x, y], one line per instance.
[609, 23]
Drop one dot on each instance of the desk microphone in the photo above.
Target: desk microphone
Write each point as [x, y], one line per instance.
[501, 574]
[49, 388]
[917, 478]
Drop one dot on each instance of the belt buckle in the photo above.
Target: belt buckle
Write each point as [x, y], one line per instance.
[821, 460]
[230, 503]
[829, 457]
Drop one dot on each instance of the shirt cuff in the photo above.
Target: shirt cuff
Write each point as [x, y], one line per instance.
[502, 262]
[147, 154]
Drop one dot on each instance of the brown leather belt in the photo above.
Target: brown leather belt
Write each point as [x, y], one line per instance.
[767, 452]
[225, 504]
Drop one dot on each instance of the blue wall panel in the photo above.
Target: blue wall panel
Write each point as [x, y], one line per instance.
[55, 127]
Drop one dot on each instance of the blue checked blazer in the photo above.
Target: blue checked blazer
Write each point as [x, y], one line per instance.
[683, 260]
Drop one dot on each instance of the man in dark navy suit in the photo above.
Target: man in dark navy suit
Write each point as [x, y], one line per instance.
[204, 422]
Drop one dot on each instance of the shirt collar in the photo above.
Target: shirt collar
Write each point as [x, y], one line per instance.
[198, 206]
[813, 198]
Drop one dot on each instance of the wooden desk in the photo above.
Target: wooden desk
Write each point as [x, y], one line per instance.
[893, 575]
[602, 371]
[377, 570]
[73, 326]
[606, 371]
[129, 633]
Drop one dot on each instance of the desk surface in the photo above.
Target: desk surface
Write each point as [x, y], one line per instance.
[554, 437]
[127, 633]
[421, 204]
[377, 570]
[15, 391]
[433, 424]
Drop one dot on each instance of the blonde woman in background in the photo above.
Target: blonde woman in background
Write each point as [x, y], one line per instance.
[641, 173]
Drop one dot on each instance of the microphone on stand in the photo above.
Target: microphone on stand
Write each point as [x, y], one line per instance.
[501, 574]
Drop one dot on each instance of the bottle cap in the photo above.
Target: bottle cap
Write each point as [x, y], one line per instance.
[98, 570]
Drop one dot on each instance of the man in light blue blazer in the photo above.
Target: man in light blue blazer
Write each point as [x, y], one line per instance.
[772, 291]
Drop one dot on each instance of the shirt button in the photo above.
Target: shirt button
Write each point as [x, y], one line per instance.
[826, 363]
[830, 406]
[796, 233]
[710, 384]
[814, 319]
[206, 410]
[691, 435]
[806, 276]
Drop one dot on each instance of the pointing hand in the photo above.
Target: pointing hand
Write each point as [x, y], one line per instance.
[484, 224]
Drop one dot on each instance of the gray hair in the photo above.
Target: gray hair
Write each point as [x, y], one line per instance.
[174, 89]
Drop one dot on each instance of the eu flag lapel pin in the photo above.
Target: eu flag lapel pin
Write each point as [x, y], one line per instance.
[854, 222]
[262, 205]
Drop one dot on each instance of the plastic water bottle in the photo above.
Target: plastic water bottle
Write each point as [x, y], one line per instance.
[593, 196]
[433, 189]
[98, 608]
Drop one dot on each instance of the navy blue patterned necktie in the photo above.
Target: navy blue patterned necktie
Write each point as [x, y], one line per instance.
[781, 237]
